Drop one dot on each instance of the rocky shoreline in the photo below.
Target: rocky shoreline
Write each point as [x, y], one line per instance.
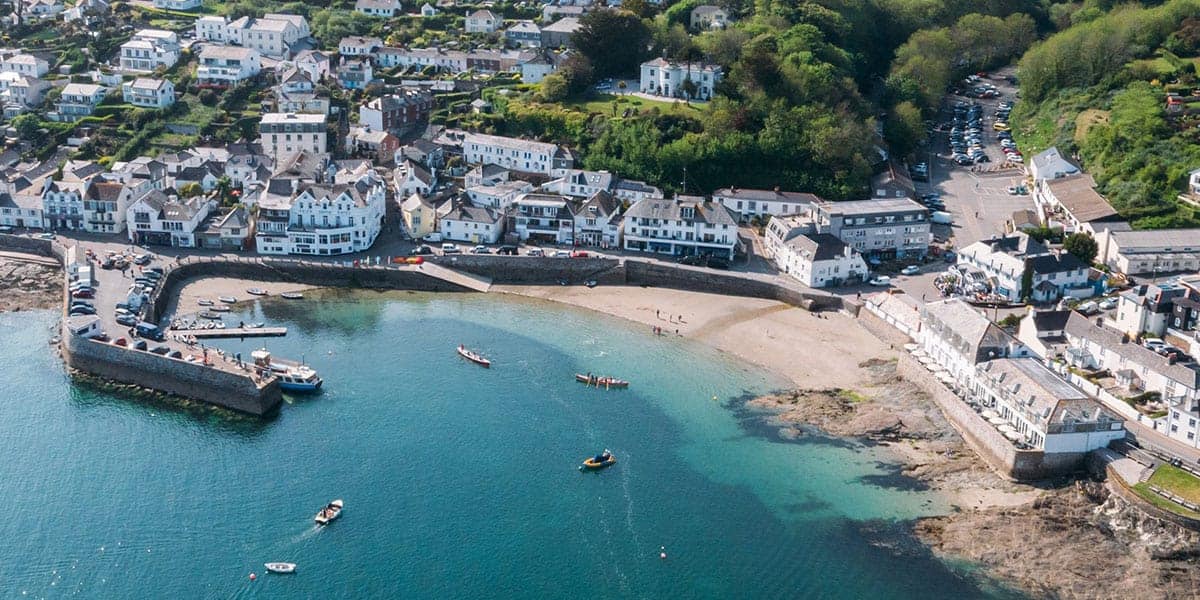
[1068, 538]
[28, 286]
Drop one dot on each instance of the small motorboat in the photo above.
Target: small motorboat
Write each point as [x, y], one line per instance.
[254, 325]
[204, 302]
[331, 511]
[221, 308]
[474, 357]
[600, 461]
[598, 381]
[281, 567]
[256, 291]
[220, 325]
[292, 296]
[592, 283]
[208, 314]
[293, 376]
[232, 300]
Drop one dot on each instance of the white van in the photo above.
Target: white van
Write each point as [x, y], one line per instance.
[941, 217]
[434, 237]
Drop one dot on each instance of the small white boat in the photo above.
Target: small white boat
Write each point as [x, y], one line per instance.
[221, 308]
[331, 511]
[256, 291]
[280, 567]
[474, 357]
[293, 376]
[204, 302]
[231, 300]
[292, 296]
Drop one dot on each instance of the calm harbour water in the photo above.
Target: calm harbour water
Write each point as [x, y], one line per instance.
[459, 482]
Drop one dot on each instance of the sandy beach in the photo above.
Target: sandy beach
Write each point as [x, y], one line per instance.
[210, 288]
[802, 346]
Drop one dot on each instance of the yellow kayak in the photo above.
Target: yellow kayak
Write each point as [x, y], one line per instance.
[599, 461]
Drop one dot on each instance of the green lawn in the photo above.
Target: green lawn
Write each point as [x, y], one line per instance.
[603, 104]
[1177, 481]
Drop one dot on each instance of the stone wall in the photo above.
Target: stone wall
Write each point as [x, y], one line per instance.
[698, 279]
[1118, 486]
[223, 388]
[996, 450]
[308, 273]
[882, 329]
[28, 245]
[530, 270]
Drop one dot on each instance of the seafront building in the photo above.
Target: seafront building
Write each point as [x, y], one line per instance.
[684, 226]
[309, 216]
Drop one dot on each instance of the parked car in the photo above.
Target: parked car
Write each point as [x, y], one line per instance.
[693, 260]
[127, 320]
[880, 281]
[910, 270]
[562, 254]
[434, 237]
[507, 250]
[163, 350]
[120, 342]
[140, 345]
[175, 354]
[86, 293]
[419, 250]
[579, 254]
[142, 259]
[449, 248]
[81, 309]
[716, 262]
[157, 270]
[480, 249]
[535, 252]
[1108, 304]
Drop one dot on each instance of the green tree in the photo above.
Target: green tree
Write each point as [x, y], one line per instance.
[554, 88]
[190, 190]
[1082, 246]
[27, 125]
[904, 128]
[614, 41]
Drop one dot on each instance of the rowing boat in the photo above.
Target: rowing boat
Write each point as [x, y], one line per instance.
[474, 357]
[598, 381]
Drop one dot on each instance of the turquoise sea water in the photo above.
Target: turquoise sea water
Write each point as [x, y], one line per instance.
[459, 482]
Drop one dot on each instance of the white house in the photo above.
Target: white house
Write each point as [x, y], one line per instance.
[483, 21]
[709, 17]
[764, 203]
[598, 221]
[1047, 412]
[499, 195]
[105, 207]
[322, 218]
[1147, 308]
[178, 4]
[79, 100]
[537, 68]
[427, 10]
[313, 62]
[411, 178]
[683, 226]
[1013, 261]
[149, 93]
[523, 34]
[1072, 203]
[519, 155]
[25, 64]
[21, 209]
[1151, 251]
[285, 133]
[37, 10]
[661, 77]
[472, 224]
[227, 66]
[543, 218]
[19, 93]
[150, 49]
[1094, 345]
[814, 259]
[273, 35]
[157, 219]
[379, 8]
[1051, 164]
[212, 29]
[357, 45]
[957, 337]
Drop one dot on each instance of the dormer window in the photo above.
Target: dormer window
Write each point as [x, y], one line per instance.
[688, 212]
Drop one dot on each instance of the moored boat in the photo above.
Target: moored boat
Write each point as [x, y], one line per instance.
[331, 511]
[598, 381]
[221, 308]
[256, 291]
[204, 302]
[228, 299]
[292, 296]
[293, 376]
[474, 357]
[280, 567]
[208, 314]
[599, 461]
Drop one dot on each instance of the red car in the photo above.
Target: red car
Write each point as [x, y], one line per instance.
[579, 254]
[121, 342]
[84, 294]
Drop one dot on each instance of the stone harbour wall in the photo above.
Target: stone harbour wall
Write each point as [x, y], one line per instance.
[190, 380]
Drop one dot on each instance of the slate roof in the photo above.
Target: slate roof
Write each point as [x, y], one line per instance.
[818, 246]
[672, 210]
[1079, 326]
[1078, 196]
